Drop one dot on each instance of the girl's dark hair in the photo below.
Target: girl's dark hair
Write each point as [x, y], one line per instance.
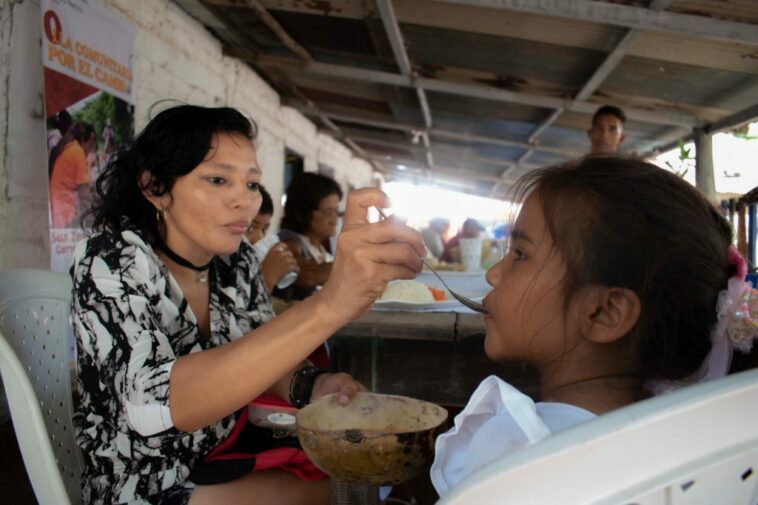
[267, 204]
[172, 144]
[304, 193]
[627, 223]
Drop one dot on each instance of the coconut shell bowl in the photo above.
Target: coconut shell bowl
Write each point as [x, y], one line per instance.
[374, 440]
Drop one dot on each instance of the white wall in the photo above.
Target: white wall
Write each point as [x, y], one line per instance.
[175, 57]
[24, 218]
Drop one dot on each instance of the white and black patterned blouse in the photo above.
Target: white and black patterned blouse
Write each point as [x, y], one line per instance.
[131, 323]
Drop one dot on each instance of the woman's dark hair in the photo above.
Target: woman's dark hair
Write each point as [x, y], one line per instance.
[627, 223]
[64, 121]
[172, 144]
[267, 204]
[304, 194]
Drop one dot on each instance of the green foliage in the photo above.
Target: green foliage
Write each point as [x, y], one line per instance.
[105, 106]
[743, 132]
[685, 153]
[744, 136]
[686, 160]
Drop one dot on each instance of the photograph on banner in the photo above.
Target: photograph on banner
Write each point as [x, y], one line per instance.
[81, 138]
[87, 58]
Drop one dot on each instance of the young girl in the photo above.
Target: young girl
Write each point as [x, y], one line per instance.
[276, 261]
[620, 281]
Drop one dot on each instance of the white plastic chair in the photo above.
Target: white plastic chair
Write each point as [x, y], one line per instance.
[35, 356]
[698, 445]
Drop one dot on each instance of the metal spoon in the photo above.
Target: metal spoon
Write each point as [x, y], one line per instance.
[471, 304]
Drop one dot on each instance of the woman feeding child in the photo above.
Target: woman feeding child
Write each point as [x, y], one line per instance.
[173, 321]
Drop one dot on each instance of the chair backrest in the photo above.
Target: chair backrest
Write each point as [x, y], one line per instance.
[36, 354]
[698, 445]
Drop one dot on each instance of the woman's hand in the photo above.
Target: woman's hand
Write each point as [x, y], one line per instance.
[278, 261]
[368, 256]
[341, 383]
[312, 274]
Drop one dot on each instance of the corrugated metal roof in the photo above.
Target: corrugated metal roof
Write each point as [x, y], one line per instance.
[481, 91]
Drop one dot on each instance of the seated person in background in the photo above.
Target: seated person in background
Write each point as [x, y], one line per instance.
[434, 235]
[607, 318]
[470, 229]
[278, 259]
[310, 218]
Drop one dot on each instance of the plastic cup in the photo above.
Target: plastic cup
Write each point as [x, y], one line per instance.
[262, 247]
[287, 280]
[471, 253]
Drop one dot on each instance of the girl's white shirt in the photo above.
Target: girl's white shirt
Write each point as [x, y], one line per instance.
[497, 420]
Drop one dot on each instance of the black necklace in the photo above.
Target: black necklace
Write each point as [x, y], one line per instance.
[201, 269]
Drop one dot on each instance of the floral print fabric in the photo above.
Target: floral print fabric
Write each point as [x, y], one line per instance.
[131, 323]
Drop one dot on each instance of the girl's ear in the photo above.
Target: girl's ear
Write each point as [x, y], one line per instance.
[145, 182]
[608, 313]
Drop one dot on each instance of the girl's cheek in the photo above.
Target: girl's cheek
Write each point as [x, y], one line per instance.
[503, 313]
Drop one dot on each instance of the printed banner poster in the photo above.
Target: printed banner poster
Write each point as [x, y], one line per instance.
[87, 53]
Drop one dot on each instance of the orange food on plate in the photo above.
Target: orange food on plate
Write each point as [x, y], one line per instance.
[438, 294]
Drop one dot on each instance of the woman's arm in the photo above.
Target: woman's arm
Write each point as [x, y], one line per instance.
[208, 385]
[229, 376]
[311, 274]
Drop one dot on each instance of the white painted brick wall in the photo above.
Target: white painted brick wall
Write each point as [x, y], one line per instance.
[249, 93]
[5, 34]
[270, 150]
[24, 240]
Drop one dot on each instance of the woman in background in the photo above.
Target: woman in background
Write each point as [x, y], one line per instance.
[311, 213]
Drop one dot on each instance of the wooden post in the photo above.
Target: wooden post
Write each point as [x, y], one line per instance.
[751, 235]
[704, 176]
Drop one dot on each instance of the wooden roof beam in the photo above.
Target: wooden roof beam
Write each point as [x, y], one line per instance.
[452, 172]
[385, 125]
[630, 17]
[277, 29]
[472, 90]
[391, 26]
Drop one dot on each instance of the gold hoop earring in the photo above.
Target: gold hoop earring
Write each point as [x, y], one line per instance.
[160, 218]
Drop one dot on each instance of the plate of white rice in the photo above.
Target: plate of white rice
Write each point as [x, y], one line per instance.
[413, 295]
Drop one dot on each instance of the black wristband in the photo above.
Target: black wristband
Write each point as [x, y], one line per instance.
[301, 386]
